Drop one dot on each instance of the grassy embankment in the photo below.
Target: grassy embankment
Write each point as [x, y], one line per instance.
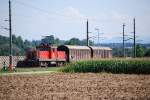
[35, 69]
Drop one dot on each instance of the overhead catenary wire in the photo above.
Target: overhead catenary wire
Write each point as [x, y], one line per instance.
[42, 10]
[48, 14]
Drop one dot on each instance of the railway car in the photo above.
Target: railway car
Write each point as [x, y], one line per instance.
[100, 52]
[75, 53]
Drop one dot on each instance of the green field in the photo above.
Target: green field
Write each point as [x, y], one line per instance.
[116, 66]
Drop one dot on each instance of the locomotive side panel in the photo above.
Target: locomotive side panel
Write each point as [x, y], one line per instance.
[44, 54]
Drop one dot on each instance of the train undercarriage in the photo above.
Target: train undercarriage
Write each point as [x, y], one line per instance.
[41, 63]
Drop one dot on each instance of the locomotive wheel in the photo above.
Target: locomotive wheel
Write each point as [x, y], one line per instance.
[43, 64]
[21, 64]
[59, 64]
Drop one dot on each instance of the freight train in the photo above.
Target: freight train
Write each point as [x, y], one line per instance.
[46, 55]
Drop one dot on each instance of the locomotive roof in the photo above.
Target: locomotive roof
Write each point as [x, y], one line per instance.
[46, 46]
[100, 48]
[76, 47]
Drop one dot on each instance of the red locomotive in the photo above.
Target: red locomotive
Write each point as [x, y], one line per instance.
[43, 55]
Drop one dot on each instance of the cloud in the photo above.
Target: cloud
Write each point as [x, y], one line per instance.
[119, 16]
[73, 13]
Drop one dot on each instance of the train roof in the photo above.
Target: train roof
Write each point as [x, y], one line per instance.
[76, 47]
[100, 48]
[46, 46]
[85, 47]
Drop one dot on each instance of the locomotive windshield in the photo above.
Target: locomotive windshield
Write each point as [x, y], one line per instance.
[43, 47]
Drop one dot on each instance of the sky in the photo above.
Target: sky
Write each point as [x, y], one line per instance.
[65, 19]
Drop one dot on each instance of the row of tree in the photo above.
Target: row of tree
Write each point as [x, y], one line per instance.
[56, 41]
[19, 45]
[141, 51]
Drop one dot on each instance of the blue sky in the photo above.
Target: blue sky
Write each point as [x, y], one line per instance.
[65, 19]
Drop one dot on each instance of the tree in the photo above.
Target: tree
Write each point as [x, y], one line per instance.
[57, 41]
[117, 52]
[73, 41]
[48, 40]
[84, 42]
[147, 54]
[76, 41]
[139, 51]
[27, 44]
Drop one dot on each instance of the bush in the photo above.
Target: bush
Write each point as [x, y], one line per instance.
[110, 66]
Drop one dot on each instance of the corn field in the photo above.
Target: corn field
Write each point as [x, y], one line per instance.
[109, 66]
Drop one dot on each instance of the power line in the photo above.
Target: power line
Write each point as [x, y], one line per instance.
[31, 6]
[40, 9]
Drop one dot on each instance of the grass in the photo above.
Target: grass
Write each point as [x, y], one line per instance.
[116, 66]
[36, 69]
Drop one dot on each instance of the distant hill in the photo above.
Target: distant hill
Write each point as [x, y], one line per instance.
[119, 45]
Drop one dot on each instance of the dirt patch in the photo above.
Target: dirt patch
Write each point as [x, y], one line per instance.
[64, 86]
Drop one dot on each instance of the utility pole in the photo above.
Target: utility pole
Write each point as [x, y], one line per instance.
[123, 41]
[87, 27]
[10, 37]
[134, 38]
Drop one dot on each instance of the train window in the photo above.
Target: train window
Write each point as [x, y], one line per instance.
[43, 49]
